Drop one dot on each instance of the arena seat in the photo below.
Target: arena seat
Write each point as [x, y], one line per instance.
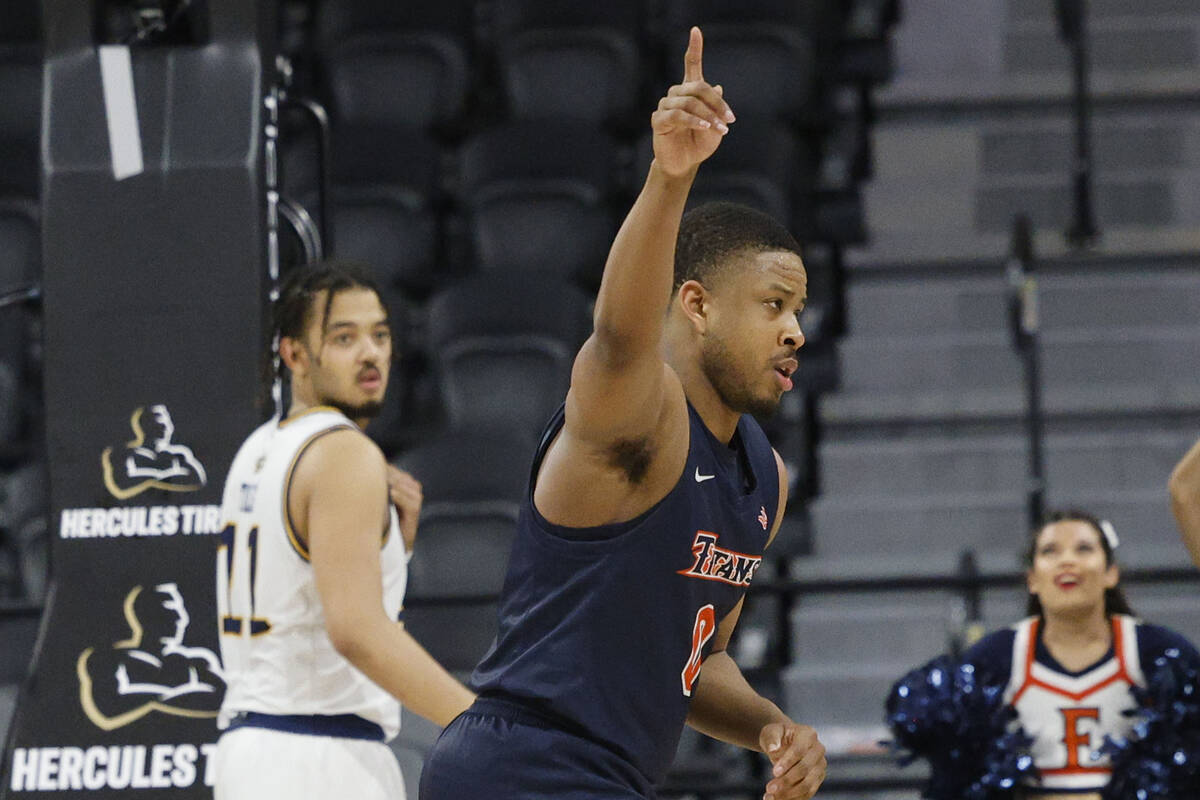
[386, 158]
[394, 232]
[20, 118]
[502, 347]
[521, 152]
[541, 228]
[540, 73]
[338, 19]
[467, 523]
[397, 80]
[10, 407]
[530, 201]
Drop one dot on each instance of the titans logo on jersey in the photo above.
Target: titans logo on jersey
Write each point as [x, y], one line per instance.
[715, 563]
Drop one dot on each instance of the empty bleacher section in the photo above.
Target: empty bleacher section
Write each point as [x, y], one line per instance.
[923, 450]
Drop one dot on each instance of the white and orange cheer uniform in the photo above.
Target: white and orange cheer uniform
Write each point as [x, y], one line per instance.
[1068, 714]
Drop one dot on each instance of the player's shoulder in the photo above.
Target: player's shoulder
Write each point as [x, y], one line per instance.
[337, 456]
[1157, 640]
[992, 655]
[341, 443]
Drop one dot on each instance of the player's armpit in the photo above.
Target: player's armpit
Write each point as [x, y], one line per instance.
[618, 400]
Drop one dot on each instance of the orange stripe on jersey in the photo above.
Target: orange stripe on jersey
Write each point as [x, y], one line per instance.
[1122, 672]
[1077, 771]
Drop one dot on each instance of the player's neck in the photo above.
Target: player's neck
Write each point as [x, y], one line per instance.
[682, 356]
[1069, 631]
[719, 418]
[302, 403]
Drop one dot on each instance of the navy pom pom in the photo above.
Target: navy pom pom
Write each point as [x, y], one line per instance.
[1161, 760]
[975, 747]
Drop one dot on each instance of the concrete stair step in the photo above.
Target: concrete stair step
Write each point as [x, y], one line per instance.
[1131, 294]
[919, 465]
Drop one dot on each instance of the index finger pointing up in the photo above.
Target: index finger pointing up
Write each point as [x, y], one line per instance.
[691, 59]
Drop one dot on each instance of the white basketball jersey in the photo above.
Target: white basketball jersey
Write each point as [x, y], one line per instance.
[1069, 716]
[277, 655]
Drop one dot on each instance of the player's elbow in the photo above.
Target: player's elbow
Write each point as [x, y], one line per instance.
[347, 636]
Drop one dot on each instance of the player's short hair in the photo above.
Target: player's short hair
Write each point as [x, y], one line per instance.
[710, 234]
[299, 289]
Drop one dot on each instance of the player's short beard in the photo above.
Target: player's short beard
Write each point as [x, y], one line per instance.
[368, 410]
[721, 368]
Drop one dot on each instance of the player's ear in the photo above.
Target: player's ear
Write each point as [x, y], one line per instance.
[292, 352]
[693, 300]
[1112, 576]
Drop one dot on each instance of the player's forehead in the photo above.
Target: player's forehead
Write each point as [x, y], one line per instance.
[355, 306]
[779, 270]
[1068, 531]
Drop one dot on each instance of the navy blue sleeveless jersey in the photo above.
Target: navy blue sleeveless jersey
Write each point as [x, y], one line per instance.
[604, 629]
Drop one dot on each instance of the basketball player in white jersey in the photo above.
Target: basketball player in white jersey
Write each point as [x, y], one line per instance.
[312, 567]
[1068, 668]
[1185, 499]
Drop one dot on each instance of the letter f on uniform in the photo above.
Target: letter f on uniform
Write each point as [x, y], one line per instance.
[1073, 738]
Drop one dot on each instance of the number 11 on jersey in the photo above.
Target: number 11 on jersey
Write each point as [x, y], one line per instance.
[702, 631]
[232, 623]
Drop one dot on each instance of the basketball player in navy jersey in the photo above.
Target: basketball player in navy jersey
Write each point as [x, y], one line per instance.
[652, 497]
[1185, 499]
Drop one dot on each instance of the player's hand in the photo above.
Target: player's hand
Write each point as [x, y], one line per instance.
[405, 493]
[691, 119]
[797, 760]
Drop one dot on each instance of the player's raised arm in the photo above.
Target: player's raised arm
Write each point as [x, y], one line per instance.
[617, 385]
[1185, 499]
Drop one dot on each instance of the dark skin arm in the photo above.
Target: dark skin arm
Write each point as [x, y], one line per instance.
[724, 706]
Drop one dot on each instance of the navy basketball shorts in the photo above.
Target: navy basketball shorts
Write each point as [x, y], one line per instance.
[496, 750]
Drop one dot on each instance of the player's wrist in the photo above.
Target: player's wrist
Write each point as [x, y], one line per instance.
[676, 176]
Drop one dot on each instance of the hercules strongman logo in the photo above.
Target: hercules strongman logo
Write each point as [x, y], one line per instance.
[714, 563]
[151, 670]
[151, 460]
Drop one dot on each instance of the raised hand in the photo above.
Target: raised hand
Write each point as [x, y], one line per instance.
[797, 760]
[692, 118]
[406, 495]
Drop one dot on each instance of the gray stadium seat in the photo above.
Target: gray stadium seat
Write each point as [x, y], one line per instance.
[502, 347]
[338, 19]
[540, 72]
[473, 482]
[396, 233]
[397, 80]
[541, 228]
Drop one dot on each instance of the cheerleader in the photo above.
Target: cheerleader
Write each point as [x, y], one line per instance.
[1071, 679]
